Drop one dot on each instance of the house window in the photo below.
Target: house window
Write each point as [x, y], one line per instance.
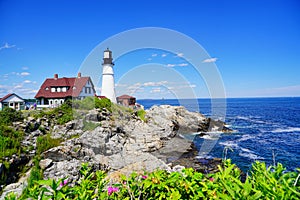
[61, 101]
[47, 88]
[50, 102]
[58, 89]
[88, 90]
[11, 104]
[53, 89]
[64, 89]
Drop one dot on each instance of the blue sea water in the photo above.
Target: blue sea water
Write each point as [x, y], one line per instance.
[266, 129]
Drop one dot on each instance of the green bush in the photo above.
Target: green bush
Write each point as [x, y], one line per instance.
[46, 142]
[103, 103]
[89, 126]
[90, 103]
[9, 115]
[10, 141]
[61, 114]
[87, 103]
[141, 114]
[262, 183]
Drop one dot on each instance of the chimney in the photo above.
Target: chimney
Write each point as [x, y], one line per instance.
[79, 75]
[55, 76]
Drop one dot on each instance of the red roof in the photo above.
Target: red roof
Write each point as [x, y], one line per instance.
[9, 95]
[74, 86]
[101, 97]
[125, 96]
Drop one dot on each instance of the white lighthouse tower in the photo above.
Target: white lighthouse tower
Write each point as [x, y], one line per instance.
[108, 82]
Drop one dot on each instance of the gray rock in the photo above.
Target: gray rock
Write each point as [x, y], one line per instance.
[45, 163]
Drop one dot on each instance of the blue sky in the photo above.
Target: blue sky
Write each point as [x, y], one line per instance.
[254, 44]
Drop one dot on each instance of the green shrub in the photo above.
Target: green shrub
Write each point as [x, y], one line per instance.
[46, 142]
[61, 114]
[90, 103]
[9, 115]
[263, 183]
[89, 126]
[141, 114]
[87, 103]
[103, 103]
[10, 141]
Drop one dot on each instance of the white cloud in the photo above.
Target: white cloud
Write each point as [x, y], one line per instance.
[25, 68]
[120, 85]
[24, 74]
[209, 60]
[155, 83]
[7, 46]
[154, 55]
[179, 54]
[163, 55]
[155, 90]
[178, 65]
[171, 65]
[27, 81]
[182, 65]
[19, 86]
[149, 59]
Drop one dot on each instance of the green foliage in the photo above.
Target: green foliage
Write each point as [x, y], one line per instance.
[10, 141]
[9, 115]
[89, 103]
[46, 142]
[103, 103]
[89, 126]
[60, 115]
[263, 183]
[141, 114]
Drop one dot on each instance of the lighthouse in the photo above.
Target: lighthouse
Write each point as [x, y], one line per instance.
[108, 82]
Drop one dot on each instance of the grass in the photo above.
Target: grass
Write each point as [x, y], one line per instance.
[89, 126]
[46, 142]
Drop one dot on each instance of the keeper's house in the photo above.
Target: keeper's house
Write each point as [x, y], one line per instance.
[55, 91]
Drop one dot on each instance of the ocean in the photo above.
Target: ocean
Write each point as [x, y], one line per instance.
[265, 129]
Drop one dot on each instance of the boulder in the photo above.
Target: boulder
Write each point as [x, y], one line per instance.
[45, 163]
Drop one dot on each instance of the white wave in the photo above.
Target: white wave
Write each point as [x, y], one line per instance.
[246, 150]
[231, 144]
[228, 125]
[243, 118]
[284, 130]
[246, 137]
[253, 119]
[251, 156]
[210, 137]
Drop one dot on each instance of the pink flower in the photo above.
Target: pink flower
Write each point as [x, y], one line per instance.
[211, 179]
[111, 190]
[65, 182]
[144, 177]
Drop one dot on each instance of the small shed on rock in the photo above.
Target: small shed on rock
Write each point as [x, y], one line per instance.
[126, 100]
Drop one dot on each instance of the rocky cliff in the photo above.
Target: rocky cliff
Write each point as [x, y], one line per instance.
[119, 143]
